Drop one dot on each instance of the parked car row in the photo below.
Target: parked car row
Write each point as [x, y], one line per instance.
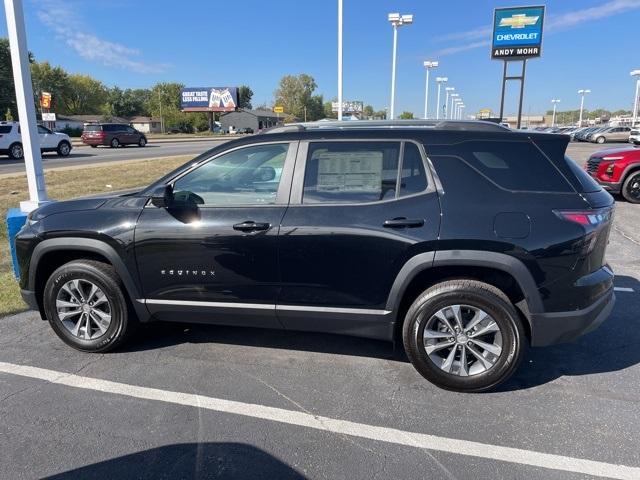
[11, 141]
[602, 134]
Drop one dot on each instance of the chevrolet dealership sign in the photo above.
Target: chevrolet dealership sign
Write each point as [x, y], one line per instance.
[517, 32]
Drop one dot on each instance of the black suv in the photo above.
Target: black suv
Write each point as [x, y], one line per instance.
[465, 241]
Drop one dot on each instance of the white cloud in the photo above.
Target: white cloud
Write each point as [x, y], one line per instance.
[553, 23]
[63, 19]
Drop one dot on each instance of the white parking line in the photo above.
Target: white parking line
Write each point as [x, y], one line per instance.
[623, 289]
[301, 419]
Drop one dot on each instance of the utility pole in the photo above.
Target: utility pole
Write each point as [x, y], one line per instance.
[555, 102]
[396, 20]
[428, 65]
[340, 60]
[26, 105]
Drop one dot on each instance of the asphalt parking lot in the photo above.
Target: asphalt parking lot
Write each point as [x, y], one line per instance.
[193, 401]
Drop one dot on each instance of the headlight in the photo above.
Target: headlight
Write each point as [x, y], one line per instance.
[30, 220]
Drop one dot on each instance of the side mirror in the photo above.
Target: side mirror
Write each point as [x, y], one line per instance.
[162, 197]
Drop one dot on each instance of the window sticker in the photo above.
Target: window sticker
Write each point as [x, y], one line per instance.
[349, 171]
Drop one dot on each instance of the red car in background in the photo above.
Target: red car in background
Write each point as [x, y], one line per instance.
[618, 171]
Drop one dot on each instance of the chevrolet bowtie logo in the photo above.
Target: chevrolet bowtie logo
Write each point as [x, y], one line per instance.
[518, 21]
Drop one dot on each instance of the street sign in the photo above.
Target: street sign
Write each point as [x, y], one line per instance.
[278, 109]
[517, 32]
[48, 117]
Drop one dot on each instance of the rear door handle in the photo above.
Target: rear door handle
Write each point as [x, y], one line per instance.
[402, 222]
[251, 226]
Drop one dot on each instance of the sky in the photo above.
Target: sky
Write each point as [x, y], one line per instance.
[588, 44]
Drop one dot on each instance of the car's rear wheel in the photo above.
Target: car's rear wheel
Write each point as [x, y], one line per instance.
[601, 140]
[114, 143]
[464, 335]
[142, 142]
[631, 187]
[94, 146]
[16, 151]
[86, 307]
[63, 149]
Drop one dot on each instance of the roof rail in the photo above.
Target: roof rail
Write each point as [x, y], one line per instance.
[460, 125]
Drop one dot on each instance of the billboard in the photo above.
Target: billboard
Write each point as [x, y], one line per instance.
[348, 107]
[517, 33]
[209, 99]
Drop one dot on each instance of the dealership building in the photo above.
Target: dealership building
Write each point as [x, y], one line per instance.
[256, 120]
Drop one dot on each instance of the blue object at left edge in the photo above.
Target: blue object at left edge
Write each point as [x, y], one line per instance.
[16, 218]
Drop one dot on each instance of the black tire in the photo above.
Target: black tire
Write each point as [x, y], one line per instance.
[93, 146]
[631, 187]
[122, 324]
[142, 142]
[15, 151]
[601, 140]
[476, 294]
[115, 143]
[64, 149]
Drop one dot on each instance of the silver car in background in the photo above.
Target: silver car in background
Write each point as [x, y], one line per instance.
[611, 134]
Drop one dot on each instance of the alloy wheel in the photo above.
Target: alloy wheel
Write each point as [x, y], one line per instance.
[633, 187]
[462, 340]
[83, 309]
[16, 151]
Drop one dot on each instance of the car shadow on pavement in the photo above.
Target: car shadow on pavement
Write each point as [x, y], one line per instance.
[188, 460]
[614, 346]
[160, 334]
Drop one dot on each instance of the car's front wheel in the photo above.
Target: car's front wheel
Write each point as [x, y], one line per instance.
[86, 307]
[601, 140]
[63, 149]
[464, 335]
[16, 151]
[631, 188]
[142, 142]
[115, 143]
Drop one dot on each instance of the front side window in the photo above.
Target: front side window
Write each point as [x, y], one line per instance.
[247, 176]
[351, 172]
[43, 130]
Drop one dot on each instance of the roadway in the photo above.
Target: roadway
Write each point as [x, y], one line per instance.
[87, 155]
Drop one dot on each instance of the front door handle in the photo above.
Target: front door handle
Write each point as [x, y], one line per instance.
[402, 222]
[251, 226]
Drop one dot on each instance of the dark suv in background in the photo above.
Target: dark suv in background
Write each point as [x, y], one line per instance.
[112, 135]
[464, 241]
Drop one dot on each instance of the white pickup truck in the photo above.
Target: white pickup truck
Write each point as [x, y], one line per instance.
[11, 141]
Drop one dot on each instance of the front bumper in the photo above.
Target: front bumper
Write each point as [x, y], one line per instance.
[611, 187]
[560, 327]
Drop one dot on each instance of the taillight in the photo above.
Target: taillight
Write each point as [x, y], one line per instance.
[593, 218]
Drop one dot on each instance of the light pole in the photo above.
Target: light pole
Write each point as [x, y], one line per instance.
[439, 81]
[448, 91]
[396, 20]
[450, 111]
[582, 93]
[636, 107]
[460, 115]
[428, 66]
[339, 60]
[555, 102]
[459, 104]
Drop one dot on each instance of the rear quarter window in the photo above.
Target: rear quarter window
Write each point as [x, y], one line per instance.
[511, 165]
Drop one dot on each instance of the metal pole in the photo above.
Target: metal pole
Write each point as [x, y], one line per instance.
[553, 119]
[26, 105]
[581, 107]
[426, 96]
[504, 85]
[438, 102]
[446, 104]
[524, 68]
[635, 103]
[450, 112]
[339, 59]
[393, 72]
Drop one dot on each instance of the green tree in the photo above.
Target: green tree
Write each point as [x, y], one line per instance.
[8, 116]
[244, 97]
[54, 80]
[86, 95]
[7, 87]
[406, 115]
[295, 93]
[328, 110]
[126, 103]
[368, 112]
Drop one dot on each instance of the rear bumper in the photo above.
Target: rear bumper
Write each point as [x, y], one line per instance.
[29, 298]
[94, 141]
[560, 327]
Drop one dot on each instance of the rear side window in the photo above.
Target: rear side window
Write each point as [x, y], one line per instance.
[413, 178]
[92, 128]
[5, 128]
[351, 172]
[517, 166]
